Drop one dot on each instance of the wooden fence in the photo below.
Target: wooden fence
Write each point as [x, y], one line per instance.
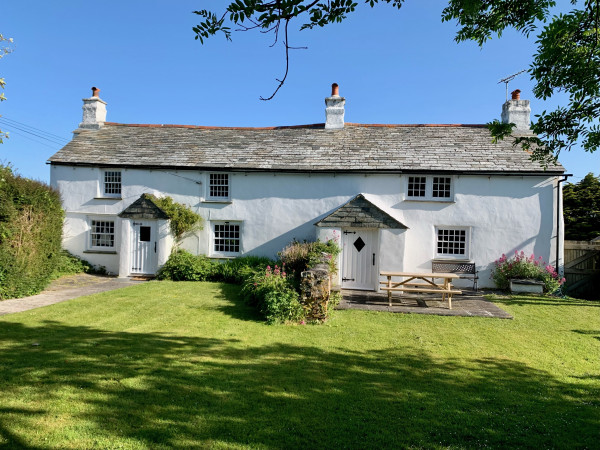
[582, 268]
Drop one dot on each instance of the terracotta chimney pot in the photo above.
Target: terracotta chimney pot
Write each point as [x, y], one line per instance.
[516, 94]
[335, 90]
[95, 92]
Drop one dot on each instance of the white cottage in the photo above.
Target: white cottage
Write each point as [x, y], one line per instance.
[398, 197]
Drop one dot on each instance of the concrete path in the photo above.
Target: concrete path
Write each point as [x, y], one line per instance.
[66, 288]
[468, 304]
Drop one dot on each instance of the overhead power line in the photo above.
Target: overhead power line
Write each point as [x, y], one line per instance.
[17, 123]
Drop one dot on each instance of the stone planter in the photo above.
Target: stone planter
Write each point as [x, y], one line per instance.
[526, 286]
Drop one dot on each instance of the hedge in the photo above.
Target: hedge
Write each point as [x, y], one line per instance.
[31, 220]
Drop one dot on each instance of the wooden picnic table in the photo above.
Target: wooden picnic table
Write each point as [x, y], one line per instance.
[421, 283]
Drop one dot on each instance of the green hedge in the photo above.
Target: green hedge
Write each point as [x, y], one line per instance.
[31, 220]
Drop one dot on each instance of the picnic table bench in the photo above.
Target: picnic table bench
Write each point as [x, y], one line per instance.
[420, 283]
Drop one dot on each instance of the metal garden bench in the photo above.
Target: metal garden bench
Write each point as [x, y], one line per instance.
[466, 270]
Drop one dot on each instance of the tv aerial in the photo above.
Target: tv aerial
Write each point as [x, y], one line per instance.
[509, 78]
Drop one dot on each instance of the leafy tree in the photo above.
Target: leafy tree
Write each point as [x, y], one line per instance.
[5, 48]
[581, 209]
[567, 58]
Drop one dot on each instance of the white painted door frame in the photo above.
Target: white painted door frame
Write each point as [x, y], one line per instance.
[360, 258]
[144, 247]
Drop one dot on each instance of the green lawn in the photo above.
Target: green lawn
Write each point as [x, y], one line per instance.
[164, 365]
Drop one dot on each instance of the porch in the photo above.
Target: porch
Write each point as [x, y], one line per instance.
[468, 304]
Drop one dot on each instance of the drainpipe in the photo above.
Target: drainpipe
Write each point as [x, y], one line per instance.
[558, 214]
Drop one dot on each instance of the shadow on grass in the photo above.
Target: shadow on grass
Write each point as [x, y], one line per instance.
[161, 390]
[543, 300]
[235, 306]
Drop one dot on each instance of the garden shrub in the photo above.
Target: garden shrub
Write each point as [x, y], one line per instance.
[274, 295]
[239, 269]
[299, 256]
[523, 267]
[69, 264]
[183, 266]
[31, 220]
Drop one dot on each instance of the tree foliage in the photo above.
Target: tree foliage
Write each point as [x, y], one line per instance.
[581, 209]
[5, 48]
[567, 59]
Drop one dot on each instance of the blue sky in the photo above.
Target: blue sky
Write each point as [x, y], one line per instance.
[392, 67]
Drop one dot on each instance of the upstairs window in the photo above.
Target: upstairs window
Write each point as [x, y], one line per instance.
[416, 186]
[218, 186]
[111, 183]
[452, 242]
[429, 188]
[102, 234]
[441, 187]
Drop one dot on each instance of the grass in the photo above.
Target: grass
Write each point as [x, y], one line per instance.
[164, 365]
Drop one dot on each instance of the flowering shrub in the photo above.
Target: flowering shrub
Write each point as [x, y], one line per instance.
[521, 266]
[273, 293]
[299, 256]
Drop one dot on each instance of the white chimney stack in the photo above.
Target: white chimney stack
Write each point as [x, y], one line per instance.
[94, 111]
[517, 111]
[334, 109]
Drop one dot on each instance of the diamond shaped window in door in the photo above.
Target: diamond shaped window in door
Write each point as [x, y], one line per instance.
[359, 244]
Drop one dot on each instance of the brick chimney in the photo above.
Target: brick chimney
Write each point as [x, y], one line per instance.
[517, 111]
[94, 111]
[334, 109]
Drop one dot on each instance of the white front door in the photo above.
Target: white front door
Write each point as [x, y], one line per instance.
[143, 247]
[359, 259]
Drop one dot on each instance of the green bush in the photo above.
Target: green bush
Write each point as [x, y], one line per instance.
[182, 219]
[239, 269]
[274, 295]
[69, 264]
[299, 256]
[523, 267]
[31, 222]
[183, 266]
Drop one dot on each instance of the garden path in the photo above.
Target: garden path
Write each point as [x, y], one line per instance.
[66, 288]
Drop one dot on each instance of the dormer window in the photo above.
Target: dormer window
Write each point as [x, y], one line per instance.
[430, 188]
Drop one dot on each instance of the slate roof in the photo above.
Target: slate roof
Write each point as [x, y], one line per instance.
[362, 148]
[359, 213]
[143, 208]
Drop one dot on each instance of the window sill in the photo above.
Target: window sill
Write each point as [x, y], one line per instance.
[108, 198]
[451, 259]
[223, 257]
[105, 252]
[227, 202]
[427, 200]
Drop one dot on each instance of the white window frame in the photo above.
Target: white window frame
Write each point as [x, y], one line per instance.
[89, 239]
[213, 238]
[428, 197]
[218, 198]
[102, 183]
[451, 256]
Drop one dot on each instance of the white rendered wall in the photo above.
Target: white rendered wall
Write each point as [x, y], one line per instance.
[504, 213]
